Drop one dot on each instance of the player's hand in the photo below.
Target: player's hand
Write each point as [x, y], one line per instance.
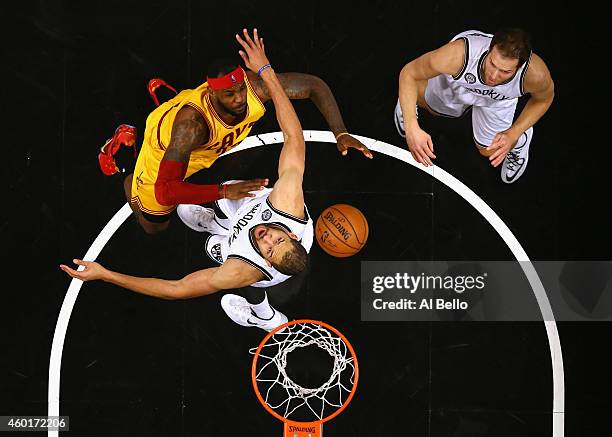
[254, 54]
[238, 190]
[346, 142]
[91, 272]
[500, 146]
[420, 146]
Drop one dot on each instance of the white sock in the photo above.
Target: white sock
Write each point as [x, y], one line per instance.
[263, 310]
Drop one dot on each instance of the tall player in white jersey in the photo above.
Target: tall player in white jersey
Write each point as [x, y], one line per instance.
[269, 234]
[487, 73]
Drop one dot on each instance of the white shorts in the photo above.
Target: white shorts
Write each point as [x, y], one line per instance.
[487, 120]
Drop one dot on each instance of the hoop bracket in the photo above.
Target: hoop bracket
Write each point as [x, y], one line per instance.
[303, 429]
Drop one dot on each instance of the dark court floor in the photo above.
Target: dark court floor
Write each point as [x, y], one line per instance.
[134, 365]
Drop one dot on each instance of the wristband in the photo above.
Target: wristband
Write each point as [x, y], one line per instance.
[263, 67]
[341, 134]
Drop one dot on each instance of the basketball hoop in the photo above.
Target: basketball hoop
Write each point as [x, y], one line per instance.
[302, 409]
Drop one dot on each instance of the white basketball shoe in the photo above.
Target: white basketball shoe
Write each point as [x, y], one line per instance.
[241, 311]
[398, 118]
[200, 219]
[516, 160]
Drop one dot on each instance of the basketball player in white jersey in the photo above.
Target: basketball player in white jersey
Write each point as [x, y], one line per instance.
[267, 237]
[487, 73]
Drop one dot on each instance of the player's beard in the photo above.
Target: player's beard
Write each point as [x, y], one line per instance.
[234, 112]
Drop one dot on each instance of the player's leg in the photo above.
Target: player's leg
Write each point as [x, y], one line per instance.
[398, 117]
[203, 218]
[254, 310]
[150, 223]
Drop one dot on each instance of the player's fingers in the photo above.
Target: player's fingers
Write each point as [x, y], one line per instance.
[422, 157]
[362, 147]
[256, 38]
[428, 149]
[500, 159]
[68, 270]
[496, 157]
[241, 42]
[260, 181]
[247, 37]
[426, 155]
[496, 143]
[499, 153]
[244, 56]
[366, 152]
[252, 187]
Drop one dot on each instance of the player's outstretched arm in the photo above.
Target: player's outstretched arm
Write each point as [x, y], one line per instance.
[287, 194]
[196, 284]
[308, 86]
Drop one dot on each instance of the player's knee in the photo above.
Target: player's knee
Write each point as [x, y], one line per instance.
[127, 186]
[153, 228]
[483, 150]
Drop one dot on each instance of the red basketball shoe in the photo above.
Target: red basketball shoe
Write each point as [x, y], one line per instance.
[124, 135]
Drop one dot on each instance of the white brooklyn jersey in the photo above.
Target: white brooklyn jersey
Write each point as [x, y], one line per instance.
[468, 87]
[244, 215]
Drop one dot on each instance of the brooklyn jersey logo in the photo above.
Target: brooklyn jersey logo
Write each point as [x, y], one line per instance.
[266, 215]
[215, 252]
[490, 93]
[243, 222]
[470, 78]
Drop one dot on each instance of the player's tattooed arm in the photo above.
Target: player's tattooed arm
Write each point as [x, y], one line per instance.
[307, 86]
[188, 132]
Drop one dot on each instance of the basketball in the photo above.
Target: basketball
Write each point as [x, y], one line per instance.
[341, 230]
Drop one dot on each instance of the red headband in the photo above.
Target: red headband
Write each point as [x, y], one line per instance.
[229, 80]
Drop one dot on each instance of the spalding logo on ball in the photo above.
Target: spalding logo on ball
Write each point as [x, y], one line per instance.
[341, 230]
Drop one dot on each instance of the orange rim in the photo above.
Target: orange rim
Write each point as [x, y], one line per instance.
[296, 322]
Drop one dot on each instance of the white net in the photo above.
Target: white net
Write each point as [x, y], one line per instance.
[288, 398]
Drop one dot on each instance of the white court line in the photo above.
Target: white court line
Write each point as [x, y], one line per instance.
[378, 146]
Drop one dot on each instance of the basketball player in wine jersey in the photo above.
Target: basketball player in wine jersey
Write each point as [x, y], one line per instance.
[487, 73]
[268, 236]
[191, 130]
